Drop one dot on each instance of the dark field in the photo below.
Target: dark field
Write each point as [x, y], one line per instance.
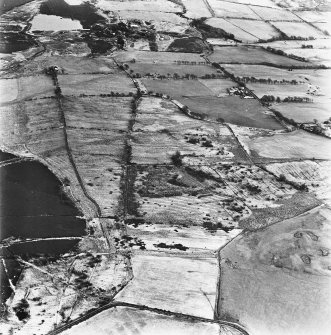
[232, 109]
[33, 204]
[252, 55]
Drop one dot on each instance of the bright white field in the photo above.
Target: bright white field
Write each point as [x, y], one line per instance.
[259, 29]
[25, 88]
[324, 26]
[230, 28]
[297, 144]
[305, 113]
[314, 16]
[149, 6]
[268, 287]
[264, 3]
[319, 43]
[151, 16]
[228, 9]
[157, 57]
[8, 90]
[132, 321]
[196, 9]
[298, 29]
[275, 14]
[316, 175]
[178, 284]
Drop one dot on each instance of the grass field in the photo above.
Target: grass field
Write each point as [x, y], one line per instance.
[244, 112]
[251, 55]
[109, 113]
[127, 320]
[95, 84]
[285, 258]
[297, 144]
[298, 29]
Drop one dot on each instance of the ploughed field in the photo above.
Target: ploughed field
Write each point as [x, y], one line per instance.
[192, 136]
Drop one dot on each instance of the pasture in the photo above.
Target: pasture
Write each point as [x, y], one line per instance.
[107, 114]
[23, 88]
[257, 72]
[70, 65]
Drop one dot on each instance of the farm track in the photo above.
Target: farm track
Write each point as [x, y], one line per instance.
[180, 316]
[209, 8]
[69, 153]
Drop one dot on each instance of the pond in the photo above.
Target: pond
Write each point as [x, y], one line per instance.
[85, 13]
[33, 205]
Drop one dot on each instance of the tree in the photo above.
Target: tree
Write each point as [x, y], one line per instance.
[177, 159]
